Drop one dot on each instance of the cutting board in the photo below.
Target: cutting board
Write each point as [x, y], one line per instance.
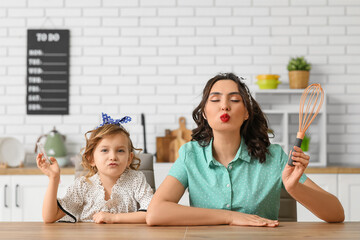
[185, 133]
[162, 146]
[182, 135]
[167, 147]
[175, 146]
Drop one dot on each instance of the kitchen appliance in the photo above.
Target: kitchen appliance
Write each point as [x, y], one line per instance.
[309, 98]
[55, 146]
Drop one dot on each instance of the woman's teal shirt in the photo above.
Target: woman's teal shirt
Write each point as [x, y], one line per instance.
[246, 185]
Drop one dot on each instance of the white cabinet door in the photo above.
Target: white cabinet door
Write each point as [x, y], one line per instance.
[161, 170]
[349, 195]
[5, 200]
[328, 182]
[28, 195]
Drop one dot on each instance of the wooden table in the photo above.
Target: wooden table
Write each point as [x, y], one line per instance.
[88, 231]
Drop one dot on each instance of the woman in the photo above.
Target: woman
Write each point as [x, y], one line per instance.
[233, 173]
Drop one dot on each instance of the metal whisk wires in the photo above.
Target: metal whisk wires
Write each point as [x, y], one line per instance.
[310, 99]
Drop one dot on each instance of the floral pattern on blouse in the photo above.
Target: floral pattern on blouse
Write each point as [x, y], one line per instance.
[85, 197]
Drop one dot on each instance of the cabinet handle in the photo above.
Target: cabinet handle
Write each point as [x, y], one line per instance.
[5, 190]
[16, 195]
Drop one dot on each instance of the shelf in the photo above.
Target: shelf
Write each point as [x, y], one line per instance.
[285, 111]
[278, 91]
[281, 107]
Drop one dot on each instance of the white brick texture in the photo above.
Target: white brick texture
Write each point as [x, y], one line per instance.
[154, 57]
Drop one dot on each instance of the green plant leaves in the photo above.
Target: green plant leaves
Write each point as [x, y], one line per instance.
[298, 64]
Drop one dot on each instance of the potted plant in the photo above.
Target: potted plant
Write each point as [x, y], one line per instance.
[299, 71]
[305, 144]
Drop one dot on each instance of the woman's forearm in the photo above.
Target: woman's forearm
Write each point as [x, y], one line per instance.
[170, 213]
[50, 208]
[165, 210]
[321, 203]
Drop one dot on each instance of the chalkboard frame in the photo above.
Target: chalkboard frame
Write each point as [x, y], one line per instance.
[47, 72]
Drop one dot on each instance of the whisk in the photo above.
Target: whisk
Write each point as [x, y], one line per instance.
[309, 98]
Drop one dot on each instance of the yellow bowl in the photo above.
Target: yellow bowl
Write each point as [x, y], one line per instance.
[267, 77]
[268, 83]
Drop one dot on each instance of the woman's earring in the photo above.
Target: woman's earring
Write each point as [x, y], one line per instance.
[203, 114]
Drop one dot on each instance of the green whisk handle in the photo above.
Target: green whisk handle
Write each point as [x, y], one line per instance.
[298, 142]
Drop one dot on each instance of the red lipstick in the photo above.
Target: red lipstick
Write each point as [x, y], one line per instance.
[225, 117]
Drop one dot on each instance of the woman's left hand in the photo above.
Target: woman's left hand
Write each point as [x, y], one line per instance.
[291, 175]
[103, 217]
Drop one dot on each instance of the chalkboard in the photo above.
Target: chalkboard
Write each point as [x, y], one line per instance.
[47, 71]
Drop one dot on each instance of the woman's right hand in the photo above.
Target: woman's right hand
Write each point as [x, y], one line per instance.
[243, 219]
[50, 170]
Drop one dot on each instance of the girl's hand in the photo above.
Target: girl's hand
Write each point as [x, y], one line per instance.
[243, 219]
[291, 175]
[104, 217]
[52, 171]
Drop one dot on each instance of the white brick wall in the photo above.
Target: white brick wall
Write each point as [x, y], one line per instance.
[129, 57]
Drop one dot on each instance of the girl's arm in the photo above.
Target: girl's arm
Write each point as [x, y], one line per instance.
[133, 217]
[50, 212]
[323, 204]
[165, 210]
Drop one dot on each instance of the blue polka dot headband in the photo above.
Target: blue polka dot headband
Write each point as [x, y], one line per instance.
[108, 120]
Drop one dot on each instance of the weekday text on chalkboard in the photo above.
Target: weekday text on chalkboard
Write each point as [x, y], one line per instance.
[47, 71]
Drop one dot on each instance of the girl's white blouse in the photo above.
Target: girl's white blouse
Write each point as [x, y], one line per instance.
[85, 197]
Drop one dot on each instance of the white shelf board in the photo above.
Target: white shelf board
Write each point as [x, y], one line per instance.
[277, 91]
[282, 111]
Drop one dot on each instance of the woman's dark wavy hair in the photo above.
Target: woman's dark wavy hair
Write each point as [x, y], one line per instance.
[254, 130]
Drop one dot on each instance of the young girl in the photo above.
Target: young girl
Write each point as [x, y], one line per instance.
[112, 191]
[233, 173]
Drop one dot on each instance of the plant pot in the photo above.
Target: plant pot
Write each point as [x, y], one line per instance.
[298, 79]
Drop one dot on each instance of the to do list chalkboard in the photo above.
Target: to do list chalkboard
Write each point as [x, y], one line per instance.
[47, 72]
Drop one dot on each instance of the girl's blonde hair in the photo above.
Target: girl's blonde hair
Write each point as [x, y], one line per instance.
[96, 136]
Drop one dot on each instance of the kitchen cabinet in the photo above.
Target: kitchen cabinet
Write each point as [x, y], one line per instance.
[349, 195]
[281, 107]
[346, 187]
[5, 211]
[329, 183]
[23, 195]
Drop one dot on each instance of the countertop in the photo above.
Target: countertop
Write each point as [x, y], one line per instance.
[89, 231]
[333, 169]
[32, 171]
